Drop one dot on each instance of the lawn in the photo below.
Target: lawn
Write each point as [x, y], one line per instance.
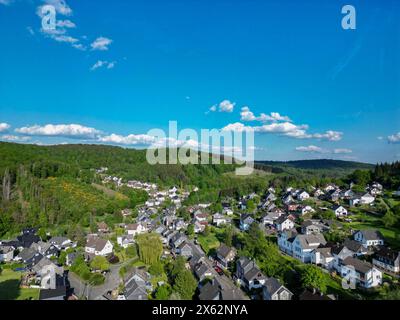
[10, 290]
[208, 243]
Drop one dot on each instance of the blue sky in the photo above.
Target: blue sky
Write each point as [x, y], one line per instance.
[285, 69]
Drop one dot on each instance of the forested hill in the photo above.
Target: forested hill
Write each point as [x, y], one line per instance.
[75, 159]
[327, 164]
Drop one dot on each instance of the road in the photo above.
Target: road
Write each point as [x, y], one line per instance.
[81, 289]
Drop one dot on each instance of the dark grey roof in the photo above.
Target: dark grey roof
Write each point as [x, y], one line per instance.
[223, 250]
[210, 291]
[52, 294]
[370, 234]
[272, 285]
[359, 265]
[388, 254]
[353, 245]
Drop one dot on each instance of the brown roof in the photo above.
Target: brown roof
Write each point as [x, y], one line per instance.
[96, 243]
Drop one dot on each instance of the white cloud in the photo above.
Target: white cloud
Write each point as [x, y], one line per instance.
[247, 115]
[342, 150]
[75, 131]
[61, 7]
[316, 149]
[4, 127]
[223, 106]
[14, 138]
[311, 148]
[329, 135]
[66, 24]
[67, 39]
[103, 63]
[394, 138]
[132, 139]
[101, 43]
[285, 128]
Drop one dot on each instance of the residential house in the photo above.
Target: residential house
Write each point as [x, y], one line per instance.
[323, 257]
[369, 238]
[305, 209]
[219, 219]
[302, 195]
[98, 246]
[248, 274]
[225, 255]
[136, 228]
[245, 222]
[312, 227]
[270, 218]
[6, 253]
[102, 227]
[125, 240]
[28, 237]
[340, 253]
[356, 247]
[227, 211]
[367, 198]
[62, 242]
[387, 259]
[274, 290]
[203, 271]
[304, 244]
[184, 249]
[210, 291]
[339, 210]
[285, 241]
[199, 227]
[361, 273]
[284, 223]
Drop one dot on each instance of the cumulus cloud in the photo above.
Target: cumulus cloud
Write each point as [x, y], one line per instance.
[342, 150]
[285, 128]
[101, 63]
[394, 138]
[75, 131]
[247, 115]
[311, 148]
[316, 149]
[10, 137]
[223, 106]
[4, 127]
[101, 43]
[132, 139]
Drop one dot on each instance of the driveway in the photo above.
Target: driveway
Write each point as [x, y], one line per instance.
[81, 289]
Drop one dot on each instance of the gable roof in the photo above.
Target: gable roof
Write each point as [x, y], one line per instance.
[371, 234]
[97, 243]
[272, 285]
[224, 250]
[359, 265]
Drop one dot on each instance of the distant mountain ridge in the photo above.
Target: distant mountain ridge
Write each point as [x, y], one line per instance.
[318, 164]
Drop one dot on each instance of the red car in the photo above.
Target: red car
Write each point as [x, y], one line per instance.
[219, 270]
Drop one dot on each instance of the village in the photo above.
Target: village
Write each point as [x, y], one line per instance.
[301, 223]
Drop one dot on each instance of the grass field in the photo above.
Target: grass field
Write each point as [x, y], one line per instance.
[208, 243]
[10, 290]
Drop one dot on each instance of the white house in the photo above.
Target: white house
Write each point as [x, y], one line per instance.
[339, 211]
[98, 246]
[285, 241]
[284, 223]
[361, 273]
[306, 209]
[367, 198]
[135, 228]
[126, 240]
[387, 259]
[227, 211]
[323, 257]
[219, 219]
[302, 195]
[6, 253]
[369, 238]
[304, 244]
